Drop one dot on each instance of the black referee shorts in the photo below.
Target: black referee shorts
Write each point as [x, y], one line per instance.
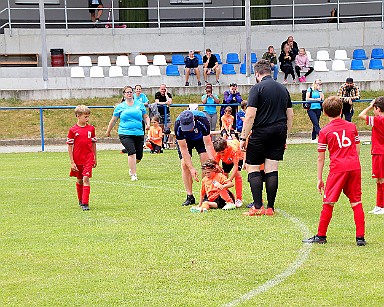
[266, 143]
[198, 144]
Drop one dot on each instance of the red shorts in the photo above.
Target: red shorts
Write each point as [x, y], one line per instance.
[347, 182]
[377, 166]
[84, 170]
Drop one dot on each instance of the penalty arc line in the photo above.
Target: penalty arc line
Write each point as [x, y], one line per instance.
[293, 267]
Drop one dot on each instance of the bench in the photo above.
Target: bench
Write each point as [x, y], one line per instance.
[19, 59]
[73, 58]
[167, 54]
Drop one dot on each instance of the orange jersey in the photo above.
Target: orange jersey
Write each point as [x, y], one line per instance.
[156, 133]
[230, 155]
[227, 121]
[236, 142]
[208, 188]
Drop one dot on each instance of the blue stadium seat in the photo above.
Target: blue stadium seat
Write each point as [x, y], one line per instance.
[218, 57]
[376, 64]
[200, 58]
[359, 54]
[377, 53]
[172, 70]
[253, 58]
[233, 58]
[228, 69]
[243, 69]
[357, 65]
[177, 59]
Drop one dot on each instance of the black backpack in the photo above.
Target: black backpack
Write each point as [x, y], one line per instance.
[306, 104]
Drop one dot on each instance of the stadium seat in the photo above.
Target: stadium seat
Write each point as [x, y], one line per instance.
[141, 60]
[134, 71]
[377, 53]
[338, 65]
[122, 60]
[228, 69]
[85, 61]
[359, 54]
[323, 55]
[341, 55]
[96, 72]
[357, 65]
[218, 57]
[77, 72]
[243, 69]
[253, 58]
[376, 64]
[320, 66]
[200, 58]
[153, 70]
[115, 71]
[172, 70]
[103, 61]
[309, 55]
[177, 59]
[233, 58]
[159, 60]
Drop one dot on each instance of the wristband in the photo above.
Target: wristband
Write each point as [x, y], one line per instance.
[242, 139]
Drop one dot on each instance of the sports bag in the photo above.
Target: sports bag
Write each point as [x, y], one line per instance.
[306, 104]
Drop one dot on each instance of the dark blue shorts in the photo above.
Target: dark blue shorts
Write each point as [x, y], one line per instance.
[197, 144]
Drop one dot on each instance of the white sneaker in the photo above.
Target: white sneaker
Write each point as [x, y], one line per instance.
[314, 141]
[238, 203]
[379, 211]
[229, 206]
[374, 209]
[133, 177]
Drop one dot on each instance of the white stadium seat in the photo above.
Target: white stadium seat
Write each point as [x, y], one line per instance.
[85, 61]
[341, 55]
[323, 55]
[309, 55]
[159, 60]
[134, 71]
[77, 72]
[338, 65]
[115, 71]
[320, 66]
[103, 61]
[122, 60]
[141, 60]
[96, 72]
[153, 70]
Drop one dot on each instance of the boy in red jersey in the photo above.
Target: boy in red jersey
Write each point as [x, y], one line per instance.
[377, 150]
[81, 143]
[343, 141]
[232, 158]
[155, 136]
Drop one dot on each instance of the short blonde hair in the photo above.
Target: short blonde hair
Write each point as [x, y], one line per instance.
[81, 110]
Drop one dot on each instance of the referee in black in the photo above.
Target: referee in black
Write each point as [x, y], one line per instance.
[269, 116]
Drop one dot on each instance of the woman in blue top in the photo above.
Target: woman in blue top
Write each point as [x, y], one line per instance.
[131, 132]
[139, 96]
[209, 100]
[315, 96]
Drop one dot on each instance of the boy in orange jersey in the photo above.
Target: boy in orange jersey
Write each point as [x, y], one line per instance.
[231, 157]
[214, 189]
[377, 150]
[227, 123]
[155, 136]
[342, 139]
[81, 141]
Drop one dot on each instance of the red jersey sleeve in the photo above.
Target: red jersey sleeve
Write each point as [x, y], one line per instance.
[70, 137]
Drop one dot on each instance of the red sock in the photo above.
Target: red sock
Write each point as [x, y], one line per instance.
[79, 189]
[239, 187]
[225, 195]
[325, 219]
[86, 192]
[380, 195]
[358, 215]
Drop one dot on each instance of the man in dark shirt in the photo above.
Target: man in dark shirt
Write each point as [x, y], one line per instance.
[292, 44]
[211, 65]
[163, 100]
[269, 116]
[191, 66]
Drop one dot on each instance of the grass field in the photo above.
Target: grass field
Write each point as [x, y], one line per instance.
[138, 246]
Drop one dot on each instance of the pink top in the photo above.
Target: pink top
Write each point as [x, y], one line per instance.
[302, 61]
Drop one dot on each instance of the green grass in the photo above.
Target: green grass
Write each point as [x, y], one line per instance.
[138, 246]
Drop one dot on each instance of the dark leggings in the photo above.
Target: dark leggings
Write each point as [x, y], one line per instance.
[288, 70]
[298, 69]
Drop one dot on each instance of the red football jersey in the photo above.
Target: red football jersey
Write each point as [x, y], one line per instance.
[341, 138]
[82, 138]
[377, 123]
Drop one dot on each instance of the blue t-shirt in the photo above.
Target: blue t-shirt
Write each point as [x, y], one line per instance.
[131, 118]
[210, 106]
[315, 105]
[202, 128]
[239, 122]
[142, 98]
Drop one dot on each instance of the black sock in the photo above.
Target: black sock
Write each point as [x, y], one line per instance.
[256, 183]
[271, 184]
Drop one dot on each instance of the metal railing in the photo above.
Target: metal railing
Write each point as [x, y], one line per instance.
[308, 13]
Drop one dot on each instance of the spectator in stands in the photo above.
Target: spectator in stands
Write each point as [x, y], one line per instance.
[139, 96]
[131, 132]
[286, 60]
[191, 66]
[302, 63]
[241, 116]
[231, 96]
[315, 96]
[211, 66]
[348, 92]
[163, 99]
[271, 56]
[210, 100]
[93, 5]
[292, 45]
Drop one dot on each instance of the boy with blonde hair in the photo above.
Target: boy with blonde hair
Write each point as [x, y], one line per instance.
[81, 141]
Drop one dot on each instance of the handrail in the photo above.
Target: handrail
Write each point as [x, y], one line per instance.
[42, 108]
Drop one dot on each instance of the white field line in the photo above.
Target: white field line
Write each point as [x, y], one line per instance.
[293, 267]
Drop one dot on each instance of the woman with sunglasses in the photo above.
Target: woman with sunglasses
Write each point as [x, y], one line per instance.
[315, 96]
[131, 133]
